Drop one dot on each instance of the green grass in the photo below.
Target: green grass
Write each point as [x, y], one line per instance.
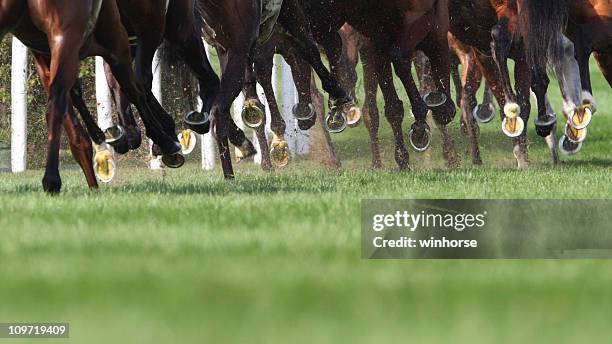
[275, 258]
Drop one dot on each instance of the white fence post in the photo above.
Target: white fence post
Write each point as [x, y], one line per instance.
[155, 164]
[19, 106]
[103, 97]
[207, 140]
[299, 142]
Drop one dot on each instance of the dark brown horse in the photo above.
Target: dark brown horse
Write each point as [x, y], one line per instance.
[80, 29]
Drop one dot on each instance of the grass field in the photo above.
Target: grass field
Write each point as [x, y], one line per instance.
[275, 258]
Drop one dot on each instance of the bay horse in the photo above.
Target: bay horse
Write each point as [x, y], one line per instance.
[80, 29]
[527, 31]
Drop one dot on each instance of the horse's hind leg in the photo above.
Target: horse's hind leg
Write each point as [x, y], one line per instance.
[112, 45]
[80, 146]
[370, 107]
[76, 94]
[292, 18]
[471, 82]
[436, 47]
[522, 76]
[62, 76]
[252, 100]
[279, 150]
[604, 60]
[234, 67]
[302, 77]
[80, 143]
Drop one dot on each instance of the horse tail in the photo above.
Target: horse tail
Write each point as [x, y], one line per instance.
[541, 25]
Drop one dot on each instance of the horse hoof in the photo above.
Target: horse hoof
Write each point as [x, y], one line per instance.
[575, 135]
[580, 118]
[484, 113]
[303, 112]
[174, 160]
[117, 138]
[335, 122]
[353, 116]
[245, 150]
[546, 125]
[420, 138]
[134, 139]
[104, 165]
[188, 139]
[512, 125]
[307, 124]
[568, 147]
[434, 99]
[252, 115]
[521, 160]
[52, 184]
[279, 154]
[197, 121]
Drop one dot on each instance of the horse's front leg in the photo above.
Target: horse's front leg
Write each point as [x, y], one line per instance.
[522, 76]
[57, 78]
[124, 111]
[501, 45]
[62, 76]
[342, 105]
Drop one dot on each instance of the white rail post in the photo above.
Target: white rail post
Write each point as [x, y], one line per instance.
[257, 159]
[299, 142]
[103, 96]
[207, 140]
[19, 106]
[155, 164]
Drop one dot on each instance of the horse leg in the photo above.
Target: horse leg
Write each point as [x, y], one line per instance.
[112, 45]
[546, 120]
[522, 76]
[437, 49]
[501, 46]
[80, 146]
[301, 72]
[604, 60]
[457, 80]
[394, 108]
[420, 133]
[76, 95]
[224, 128]
[292, 18]
[471, 83]
[350, 58]
[124, 110]
[79, 142]
[551, 139]
[370, 113]
[252, 101]
[279, 151]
